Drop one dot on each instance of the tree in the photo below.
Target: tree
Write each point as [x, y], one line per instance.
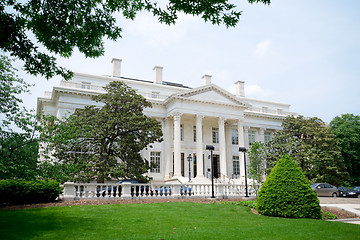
[310, 143]
[18, 162]
[346, 129]
[18, 148]
[62, 25]
[287, 193]
[105, 143]
[256, 168]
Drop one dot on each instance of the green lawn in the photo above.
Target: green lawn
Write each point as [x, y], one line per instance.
[163, 221]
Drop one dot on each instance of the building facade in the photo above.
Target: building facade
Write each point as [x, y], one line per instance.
[191, 118]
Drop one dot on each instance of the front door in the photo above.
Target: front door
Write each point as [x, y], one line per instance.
[216, 165]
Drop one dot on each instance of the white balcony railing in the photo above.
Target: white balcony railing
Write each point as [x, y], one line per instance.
[91, 87]
[271, 111]
[73, 191]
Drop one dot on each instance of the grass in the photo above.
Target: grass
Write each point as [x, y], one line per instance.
[184, 220]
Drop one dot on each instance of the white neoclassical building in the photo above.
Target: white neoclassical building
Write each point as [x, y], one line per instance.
[191, 118]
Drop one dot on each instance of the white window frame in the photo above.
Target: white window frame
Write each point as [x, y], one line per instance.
[215, 135]
[234, 137]
[155, 157]
[236, 165]
[252, 137]
[155, 94]
[181, 132]
[85, 85]
[267, 137]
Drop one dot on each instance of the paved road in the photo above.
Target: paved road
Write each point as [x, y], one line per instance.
[347, 204]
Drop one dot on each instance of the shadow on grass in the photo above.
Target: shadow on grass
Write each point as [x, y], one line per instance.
[40, 223]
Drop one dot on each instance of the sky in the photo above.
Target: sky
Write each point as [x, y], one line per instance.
[304, 53]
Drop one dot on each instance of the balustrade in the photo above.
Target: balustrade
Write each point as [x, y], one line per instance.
[128, 190]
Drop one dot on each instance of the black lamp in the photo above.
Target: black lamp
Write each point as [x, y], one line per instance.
[189, 158]
[243, 149]
[211, 148]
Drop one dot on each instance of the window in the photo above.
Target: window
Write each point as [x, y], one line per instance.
[155, 159]
[155, 94]
[181, 133]
[234, 137]
[267, 137]
[251, 137]
[236, 166]
[194, 133]
[215, 135]
[85, 85]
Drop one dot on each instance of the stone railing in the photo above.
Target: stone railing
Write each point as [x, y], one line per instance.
[271, 111]
[91, 87]
[76, 191]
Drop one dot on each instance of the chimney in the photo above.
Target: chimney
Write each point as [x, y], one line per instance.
[240, 89]
[158, 74]
[116, 67]
[206, 79]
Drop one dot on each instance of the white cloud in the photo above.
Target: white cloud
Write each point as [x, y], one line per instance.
[263, 49]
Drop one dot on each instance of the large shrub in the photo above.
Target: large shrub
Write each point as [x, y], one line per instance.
[287, 193]
[23, 192]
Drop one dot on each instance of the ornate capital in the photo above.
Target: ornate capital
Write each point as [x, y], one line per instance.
[221, 120]
[241, 119]
[199, 116]
[176, 116]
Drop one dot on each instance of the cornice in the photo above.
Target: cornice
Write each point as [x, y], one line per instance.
[75, 91]
[182, 99]
[264, 115]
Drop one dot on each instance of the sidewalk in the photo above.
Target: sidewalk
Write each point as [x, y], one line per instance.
[347, 204]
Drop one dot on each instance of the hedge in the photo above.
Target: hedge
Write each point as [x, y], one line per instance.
[14, 192]
[287, 193]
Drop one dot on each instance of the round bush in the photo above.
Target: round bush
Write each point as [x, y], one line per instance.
[287, 193]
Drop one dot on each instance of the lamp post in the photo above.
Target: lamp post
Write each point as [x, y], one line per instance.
[211, 148]
[189, 158]
[243, 149]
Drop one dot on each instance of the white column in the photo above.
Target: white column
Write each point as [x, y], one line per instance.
[199, 147]
[262, 135]
[177, 145]
[246, 136]
[222, 145]
[241, 139]
[167, 159]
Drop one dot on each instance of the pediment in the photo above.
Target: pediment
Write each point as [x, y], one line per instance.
[211, 94]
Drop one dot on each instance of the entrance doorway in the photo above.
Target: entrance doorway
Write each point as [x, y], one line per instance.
[216, 165]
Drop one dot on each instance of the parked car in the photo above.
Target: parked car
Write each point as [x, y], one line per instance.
[343, 191]
[164, 190]
[325, 190]
[185, 190]
[352, 192]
